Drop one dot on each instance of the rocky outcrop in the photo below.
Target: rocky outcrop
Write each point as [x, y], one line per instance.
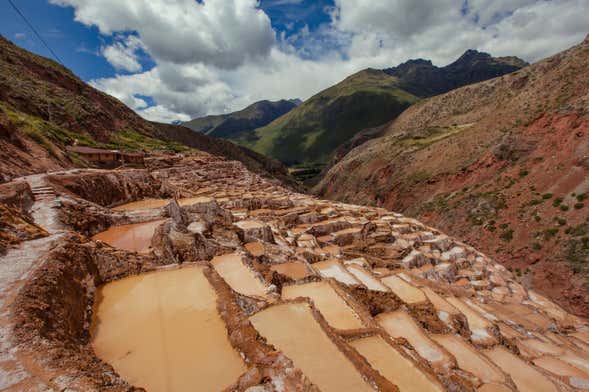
[16, 227]
[17, 195]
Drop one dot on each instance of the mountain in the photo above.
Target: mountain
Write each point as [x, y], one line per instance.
[503, 164]
[44, 108]
[310, 132]
[370, 98]
[232, 125]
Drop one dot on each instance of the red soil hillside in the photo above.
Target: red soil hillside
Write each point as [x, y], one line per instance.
[502, 164]
[44, 108]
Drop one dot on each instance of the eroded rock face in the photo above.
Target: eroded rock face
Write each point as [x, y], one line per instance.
[108, 188]
[355, 276]
[16, 227]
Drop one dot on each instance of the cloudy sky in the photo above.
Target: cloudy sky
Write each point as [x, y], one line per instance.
[178, 59]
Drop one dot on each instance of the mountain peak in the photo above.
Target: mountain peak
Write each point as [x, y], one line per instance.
[470, 56]
[255, 115]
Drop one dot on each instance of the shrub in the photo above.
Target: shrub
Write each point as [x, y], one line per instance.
[582, 197]
[564, 207]
[556, 202]
[578, 206]
[561, 221]
[537, 218]
[536, 246]
[547, 196]
[507, 235]
[578, 231]
[549, 233]
[523, 173]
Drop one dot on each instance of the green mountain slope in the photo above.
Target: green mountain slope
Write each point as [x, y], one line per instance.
[313, 130]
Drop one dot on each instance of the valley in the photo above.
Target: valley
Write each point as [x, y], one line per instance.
[414, 228]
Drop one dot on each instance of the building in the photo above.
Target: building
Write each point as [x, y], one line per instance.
[110, 158]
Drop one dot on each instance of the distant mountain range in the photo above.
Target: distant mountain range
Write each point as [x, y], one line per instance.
[234, 125]
[311, 132]
[423, 79]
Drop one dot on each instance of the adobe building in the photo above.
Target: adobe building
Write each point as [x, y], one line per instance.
[108, 158]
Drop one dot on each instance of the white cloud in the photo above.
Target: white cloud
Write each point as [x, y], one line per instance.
[223, 33]
[221, 55]
[122, 54]
[162, 114]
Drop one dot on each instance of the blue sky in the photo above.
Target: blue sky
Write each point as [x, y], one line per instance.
[178, 59]
[77, 45]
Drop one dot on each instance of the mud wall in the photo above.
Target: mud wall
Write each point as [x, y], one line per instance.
[108, 188]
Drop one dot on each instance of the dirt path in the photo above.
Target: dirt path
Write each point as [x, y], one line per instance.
[15, 268]
[44, 211]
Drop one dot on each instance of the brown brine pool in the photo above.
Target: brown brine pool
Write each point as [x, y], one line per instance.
[135, 237]
[161, 331]
[292, 329]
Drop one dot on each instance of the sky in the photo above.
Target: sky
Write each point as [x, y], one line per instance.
[173, 60]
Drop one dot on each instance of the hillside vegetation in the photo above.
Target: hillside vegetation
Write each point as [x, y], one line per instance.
[44, 108]
[310, 132]
[502, 163]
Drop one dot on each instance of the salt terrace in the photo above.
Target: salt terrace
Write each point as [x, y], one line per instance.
[198, 275]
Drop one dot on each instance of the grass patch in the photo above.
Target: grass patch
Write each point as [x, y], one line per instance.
[132, 141]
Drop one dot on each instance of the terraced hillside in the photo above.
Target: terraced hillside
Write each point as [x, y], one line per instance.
[312, 132]
[44, 108]
[236, 283]
[502, 164]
